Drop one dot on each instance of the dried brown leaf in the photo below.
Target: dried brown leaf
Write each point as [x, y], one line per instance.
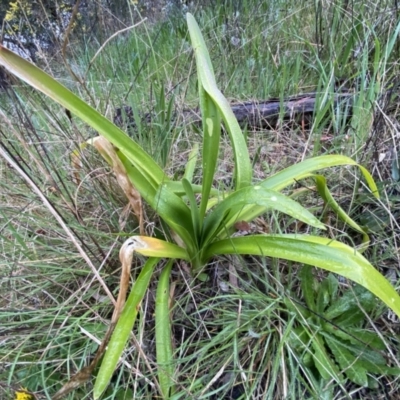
[108, 151]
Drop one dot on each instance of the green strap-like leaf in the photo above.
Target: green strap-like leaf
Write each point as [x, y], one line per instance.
[211, 138]
[320, 252]
[253, 196]
[173, 210]
[211, 122]
[303, 170]
[123, 328]
[165, 365]
[243, 172]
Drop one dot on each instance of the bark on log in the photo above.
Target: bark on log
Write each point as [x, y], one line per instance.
[256, 114]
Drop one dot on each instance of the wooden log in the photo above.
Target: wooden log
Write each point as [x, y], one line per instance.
[255, 114]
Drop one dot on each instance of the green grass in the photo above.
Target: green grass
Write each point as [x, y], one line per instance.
[233, 334]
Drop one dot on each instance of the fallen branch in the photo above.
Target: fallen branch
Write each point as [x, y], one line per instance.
[256, 114]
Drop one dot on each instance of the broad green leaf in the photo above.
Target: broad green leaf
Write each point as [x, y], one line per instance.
[60, 94]
[123, 328]
[300, 171]
[325, 366]
[165, 367]
[211, 119]
[371, 360]
[175, 213]
[351, 317]
[327, 254]
[350, 301]
[173, 210]
[347, 362]
[243, 171]
[305, 169]
[254, 196]
[356, 336]
[311, 348]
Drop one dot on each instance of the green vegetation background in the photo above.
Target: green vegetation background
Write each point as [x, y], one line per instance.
[248, 331]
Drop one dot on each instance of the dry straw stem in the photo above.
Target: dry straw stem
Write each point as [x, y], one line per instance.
[109, 39]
